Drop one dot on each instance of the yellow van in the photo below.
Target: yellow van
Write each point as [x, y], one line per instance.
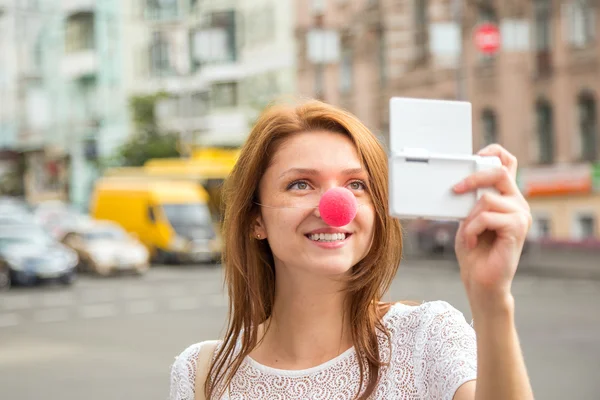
[171, 218]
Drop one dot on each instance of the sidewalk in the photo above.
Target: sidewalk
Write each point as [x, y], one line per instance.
[550, 262]
[575, 263]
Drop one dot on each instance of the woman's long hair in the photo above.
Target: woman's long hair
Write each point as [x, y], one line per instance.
[248, 263]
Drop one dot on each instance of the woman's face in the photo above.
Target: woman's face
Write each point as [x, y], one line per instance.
[304, 167]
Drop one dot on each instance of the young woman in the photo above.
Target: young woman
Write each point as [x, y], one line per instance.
[306, 320]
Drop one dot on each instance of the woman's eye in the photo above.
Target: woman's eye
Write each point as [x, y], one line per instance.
[357, 185]
[299, 185]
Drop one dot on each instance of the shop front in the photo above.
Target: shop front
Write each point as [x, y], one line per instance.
[565, 202]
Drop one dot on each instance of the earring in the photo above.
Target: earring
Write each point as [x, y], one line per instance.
[258, 235]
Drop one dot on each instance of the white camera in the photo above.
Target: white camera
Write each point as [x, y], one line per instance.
[430, 151]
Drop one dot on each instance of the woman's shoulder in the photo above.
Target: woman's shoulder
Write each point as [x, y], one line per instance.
[183, 371]
[418, 316]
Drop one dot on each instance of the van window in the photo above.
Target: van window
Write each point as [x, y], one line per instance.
[193, 214]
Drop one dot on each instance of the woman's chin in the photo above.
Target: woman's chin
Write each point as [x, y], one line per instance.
[332, 267]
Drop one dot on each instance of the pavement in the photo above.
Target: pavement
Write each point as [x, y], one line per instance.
[548, 261]
[116, 338]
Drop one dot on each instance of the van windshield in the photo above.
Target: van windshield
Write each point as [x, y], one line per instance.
[191, 214]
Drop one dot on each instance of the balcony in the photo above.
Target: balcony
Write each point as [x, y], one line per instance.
[80, 64]
[70, 7]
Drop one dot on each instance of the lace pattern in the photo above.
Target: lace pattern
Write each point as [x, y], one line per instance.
[433, 352]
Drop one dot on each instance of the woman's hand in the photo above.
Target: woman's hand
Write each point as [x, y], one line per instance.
[490, 240]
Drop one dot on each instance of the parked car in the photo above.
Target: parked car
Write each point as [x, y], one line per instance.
[5, 280]
[14, 205]
[57, 217]
[31, 256]
[434, 237]
[104, 247]
[437, 237]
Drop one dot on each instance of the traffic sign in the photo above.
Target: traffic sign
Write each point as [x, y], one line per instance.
[487, 38]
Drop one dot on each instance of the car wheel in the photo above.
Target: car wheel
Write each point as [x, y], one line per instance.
[160, 257]
[141, 270]
[5, 281]
[67, 279]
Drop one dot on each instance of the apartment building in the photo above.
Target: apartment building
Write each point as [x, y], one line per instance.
[219, 61]
[536, 95]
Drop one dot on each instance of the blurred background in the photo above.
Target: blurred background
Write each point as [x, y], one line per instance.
[120, 119]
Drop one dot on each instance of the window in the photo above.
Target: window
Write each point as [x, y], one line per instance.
[585, 226]
[489, 127]
[541, 227]
[581, 23]
[224, 94]
[159, 55]
[586, 108]
[421, 39]
[79, 33]
[161, 9]
[317, 6]
[543, 35]
[215, 42]
[545, 134]
[346, 70]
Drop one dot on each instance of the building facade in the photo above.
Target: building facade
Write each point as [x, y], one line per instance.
[537, 95]
[65, 99]
[219, 62]
[24, 116]
[91, 105]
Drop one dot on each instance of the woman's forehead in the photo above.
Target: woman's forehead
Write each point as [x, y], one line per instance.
[316, 150]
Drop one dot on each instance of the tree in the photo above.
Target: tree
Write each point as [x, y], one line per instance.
[147, 141]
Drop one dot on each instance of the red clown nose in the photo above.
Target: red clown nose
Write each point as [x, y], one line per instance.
[338, 207]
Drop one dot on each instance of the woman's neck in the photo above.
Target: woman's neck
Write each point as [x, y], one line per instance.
[309, 324]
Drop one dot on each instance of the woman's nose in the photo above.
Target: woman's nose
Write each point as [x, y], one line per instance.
[338, 206]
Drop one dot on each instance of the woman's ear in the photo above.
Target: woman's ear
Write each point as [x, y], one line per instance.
[259, 230]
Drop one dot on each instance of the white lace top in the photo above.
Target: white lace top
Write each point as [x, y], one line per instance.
[433, 352]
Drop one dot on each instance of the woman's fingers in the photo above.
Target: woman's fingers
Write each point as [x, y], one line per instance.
[500, 178]
[501, 223]
[494, 202]
[507, 159]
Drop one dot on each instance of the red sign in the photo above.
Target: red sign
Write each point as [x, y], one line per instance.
[487, 38]
[556, 180]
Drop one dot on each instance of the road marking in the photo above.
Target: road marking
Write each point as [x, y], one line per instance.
[54, 315]
[98, 310]
[17, 302]
[9, 320]
[141, 307]
[184, 303]
[57, 300]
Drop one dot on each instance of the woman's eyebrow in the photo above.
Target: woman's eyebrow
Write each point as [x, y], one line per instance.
[314, 172]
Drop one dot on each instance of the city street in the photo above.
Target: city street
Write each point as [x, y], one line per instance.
[116, 338]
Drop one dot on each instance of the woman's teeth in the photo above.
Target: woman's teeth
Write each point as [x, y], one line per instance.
[327, 237]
